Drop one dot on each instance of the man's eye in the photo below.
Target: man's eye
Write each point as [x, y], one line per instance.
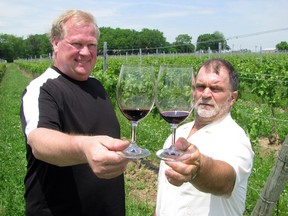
[92, 46]
[200, 88]
[77, 45]
[215, 89]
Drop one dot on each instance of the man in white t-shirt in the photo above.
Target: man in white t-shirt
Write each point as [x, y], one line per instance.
[213, 181]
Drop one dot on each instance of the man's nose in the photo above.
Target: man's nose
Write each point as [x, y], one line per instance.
[206, 93]
[85, 50]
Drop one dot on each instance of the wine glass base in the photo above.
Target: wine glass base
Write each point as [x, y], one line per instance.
[172, 155]
[134, 153]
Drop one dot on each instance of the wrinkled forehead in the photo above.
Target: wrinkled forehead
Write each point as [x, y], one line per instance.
[73, 26]
[214, 67]
[219, 74]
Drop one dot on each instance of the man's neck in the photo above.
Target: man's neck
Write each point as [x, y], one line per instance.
[197, 126]
[201, 122]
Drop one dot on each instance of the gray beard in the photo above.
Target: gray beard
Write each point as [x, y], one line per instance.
[216, 112]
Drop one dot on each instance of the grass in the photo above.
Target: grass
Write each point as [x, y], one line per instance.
[141, 182]
[12, 146]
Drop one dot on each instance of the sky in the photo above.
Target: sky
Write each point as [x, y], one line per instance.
[246, 24]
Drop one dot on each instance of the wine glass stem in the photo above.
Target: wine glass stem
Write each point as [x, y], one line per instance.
[134, 126]
[173, 128]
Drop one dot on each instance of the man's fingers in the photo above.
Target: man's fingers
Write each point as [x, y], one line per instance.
[114, 144]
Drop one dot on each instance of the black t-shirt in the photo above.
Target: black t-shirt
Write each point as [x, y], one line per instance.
[58, 102]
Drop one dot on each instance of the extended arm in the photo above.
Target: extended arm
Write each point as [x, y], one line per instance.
[213, 176]
[62, 149]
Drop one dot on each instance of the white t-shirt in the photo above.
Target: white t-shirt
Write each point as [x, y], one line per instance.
[223, 140]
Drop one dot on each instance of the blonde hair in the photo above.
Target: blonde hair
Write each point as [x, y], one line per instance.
[78, 16]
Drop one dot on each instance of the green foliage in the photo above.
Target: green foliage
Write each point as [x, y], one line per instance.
[122, 41]
[283, 45]
[2, 70]
[37, 45]
[211, 41]
[253, 125]
[183, 44]
[263, 83]
[34, 67]
[12, 47]
[150, 38]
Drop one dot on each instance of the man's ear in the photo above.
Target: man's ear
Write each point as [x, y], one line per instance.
[55, 44]
[234, 97]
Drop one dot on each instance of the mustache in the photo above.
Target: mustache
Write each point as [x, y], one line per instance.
[203, 101]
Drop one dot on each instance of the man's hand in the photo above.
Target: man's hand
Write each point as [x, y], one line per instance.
[101, 154]
[187, 170]
[206, 174]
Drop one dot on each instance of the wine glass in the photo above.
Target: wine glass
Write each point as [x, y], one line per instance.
[135, 92]
[174, 100]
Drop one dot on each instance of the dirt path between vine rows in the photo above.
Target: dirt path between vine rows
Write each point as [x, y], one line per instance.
[141, 178]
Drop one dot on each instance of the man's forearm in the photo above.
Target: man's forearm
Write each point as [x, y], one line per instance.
[215, 177]
[55, 147]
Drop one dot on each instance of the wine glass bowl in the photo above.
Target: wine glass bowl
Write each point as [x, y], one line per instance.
[174, 101]
[135, 93]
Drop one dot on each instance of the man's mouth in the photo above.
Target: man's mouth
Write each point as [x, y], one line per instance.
[81, 61]
[205, 104]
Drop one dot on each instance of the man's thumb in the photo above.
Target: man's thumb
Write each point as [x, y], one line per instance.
[182, 144]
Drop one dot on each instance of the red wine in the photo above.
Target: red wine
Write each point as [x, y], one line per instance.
[135, 114]
[174, 117]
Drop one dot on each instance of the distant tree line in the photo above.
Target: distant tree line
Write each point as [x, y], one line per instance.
[283, 45]
[119, 41]
[13, 47]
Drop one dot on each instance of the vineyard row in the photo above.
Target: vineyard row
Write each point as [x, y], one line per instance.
[263, 97]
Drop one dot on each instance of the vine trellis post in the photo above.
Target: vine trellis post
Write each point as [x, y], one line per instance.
[105, 56]
[274, 184]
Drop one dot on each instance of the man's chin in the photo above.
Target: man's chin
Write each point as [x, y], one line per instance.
[83, 71]
[205, 113]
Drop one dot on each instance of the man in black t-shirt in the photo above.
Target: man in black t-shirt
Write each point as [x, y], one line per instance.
[71, 130]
